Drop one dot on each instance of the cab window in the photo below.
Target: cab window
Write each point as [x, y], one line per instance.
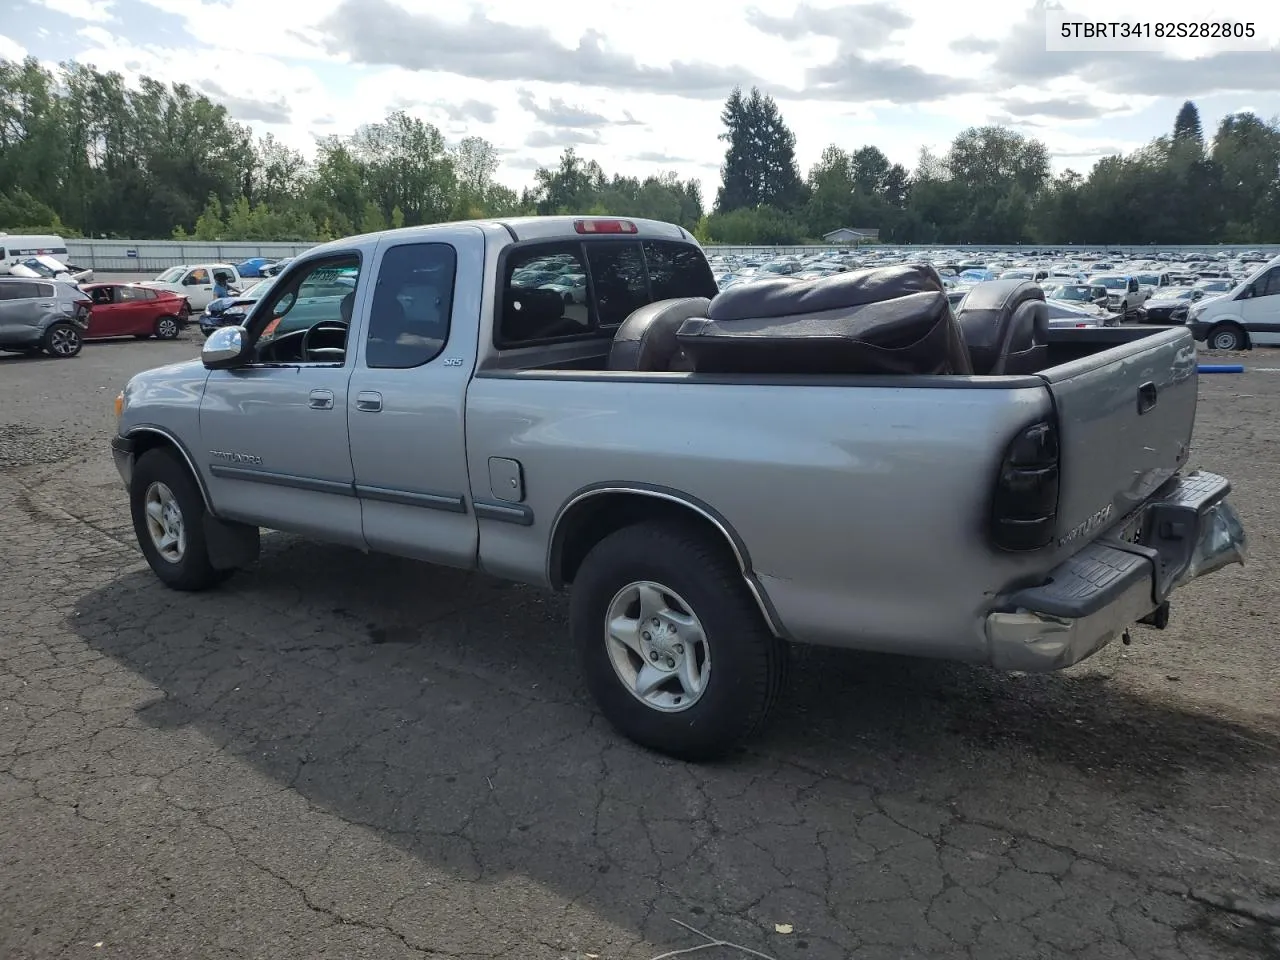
[196, 277]
[131, 294]
[412, 304]
[306, 319]
[536, 302]
[571, 289]
[678, 270]
[618, 275]
[1268, 285]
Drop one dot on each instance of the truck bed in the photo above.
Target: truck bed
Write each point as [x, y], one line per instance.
[883, 466]
[1065, 346]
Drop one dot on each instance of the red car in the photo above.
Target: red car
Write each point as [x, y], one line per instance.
[128, 310]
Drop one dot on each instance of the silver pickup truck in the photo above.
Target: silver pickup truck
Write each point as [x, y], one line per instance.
[843, 461]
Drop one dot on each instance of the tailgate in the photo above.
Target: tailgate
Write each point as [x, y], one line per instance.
[1125, 417]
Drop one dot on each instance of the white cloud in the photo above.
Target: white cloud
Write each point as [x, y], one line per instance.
[11, 49]
[94, 10]
[899, 74]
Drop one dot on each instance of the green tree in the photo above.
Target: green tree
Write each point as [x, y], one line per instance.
[1186, 126]
[372, 219]
[210, 225]
[760, 162]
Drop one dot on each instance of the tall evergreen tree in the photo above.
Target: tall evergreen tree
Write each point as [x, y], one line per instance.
[1187, 124]
[760, 163]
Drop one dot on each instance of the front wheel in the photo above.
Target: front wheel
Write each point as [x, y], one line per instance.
[1227, 336]
[168, 520]
[167, 328]
[62, 340]
[675, 651]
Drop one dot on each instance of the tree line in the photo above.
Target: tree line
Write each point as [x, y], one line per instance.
[84, 153]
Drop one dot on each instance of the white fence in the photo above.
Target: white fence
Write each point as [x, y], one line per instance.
[146, 256]
[152, 256]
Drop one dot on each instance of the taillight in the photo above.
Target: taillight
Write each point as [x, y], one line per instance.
[1025, 507]
[604, 226]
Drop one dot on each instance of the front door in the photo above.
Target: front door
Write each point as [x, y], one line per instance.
[1261, 311]
[197, 287]
[408, 398]
[275, 443]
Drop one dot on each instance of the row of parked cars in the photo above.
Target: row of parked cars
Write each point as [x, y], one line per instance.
[1228, 301]
[56, 317]
[48, 307]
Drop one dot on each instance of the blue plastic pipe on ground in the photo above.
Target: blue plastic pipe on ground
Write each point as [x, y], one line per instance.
[1221, 368]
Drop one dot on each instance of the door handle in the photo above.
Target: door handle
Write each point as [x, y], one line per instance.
[321, 400]
[1147, 397]
[368, 401]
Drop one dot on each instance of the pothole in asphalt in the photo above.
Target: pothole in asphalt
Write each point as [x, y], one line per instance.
[22, 445]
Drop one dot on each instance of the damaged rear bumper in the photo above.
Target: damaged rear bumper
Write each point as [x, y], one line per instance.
[1185, 532]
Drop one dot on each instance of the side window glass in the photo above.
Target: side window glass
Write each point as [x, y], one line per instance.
[412, 304]
[130, 294]
[1269, 285]
[618, 280]
[678, 270]
[197, 277]
[539, 298]
[147, 294]
[307, 319]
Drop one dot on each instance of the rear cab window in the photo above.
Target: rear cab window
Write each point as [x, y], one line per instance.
[578, 289]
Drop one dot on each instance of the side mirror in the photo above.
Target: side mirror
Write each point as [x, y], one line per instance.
[226, 347]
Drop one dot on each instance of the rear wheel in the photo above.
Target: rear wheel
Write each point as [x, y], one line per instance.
[1226, 336]
[167, 328]
[168, 520]
[62, 340]
[675, 651]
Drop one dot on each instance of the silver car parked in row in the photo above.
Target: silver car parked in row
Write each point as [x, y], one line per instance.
[42, 315]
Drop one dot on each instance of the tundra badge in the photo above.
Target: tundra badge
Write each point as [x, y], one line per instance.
[1091, 522]
[236, 457]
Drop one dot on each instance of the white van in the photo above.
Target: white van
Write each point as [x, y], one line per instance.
[1247, 316]
[15, 248]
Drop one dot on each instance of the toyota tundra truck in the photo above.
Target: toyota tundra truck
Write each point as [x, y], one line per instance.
[713, 476]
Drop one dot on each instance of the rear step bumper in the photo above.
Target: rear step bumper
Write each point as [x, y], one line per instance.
[1184, 532]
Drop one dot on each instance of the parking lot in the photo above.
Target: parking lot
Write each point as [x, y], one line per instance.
[340, 755]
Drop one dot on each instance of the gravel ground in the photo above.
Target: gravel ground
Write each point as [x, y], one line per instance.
[340, 755]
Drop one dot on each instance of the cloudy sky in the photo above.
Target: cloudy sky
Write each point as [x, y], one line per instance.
[639, 85]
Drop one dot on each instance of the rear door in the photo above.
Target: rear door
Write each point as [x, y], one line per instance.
[15, 311]
[1125, 418]
[407, 400]
[135, 311]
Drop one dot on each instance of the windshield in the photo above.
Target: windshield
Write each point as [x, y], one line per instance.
[38, 267]
[1111, 283]
[257, 290]
[172, 275]
[1079, 293]
[777, 268]
[57, 266]
[1149, 279]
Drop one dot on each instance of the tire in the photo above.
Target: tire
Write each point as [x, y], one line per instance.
[62, 340]
[741, 665]
[160, 477]
[168, 328]
[1226, 336]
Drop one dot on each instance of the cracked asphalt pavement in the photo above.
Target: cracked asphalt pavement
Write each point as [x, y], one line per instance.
[349, 756]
